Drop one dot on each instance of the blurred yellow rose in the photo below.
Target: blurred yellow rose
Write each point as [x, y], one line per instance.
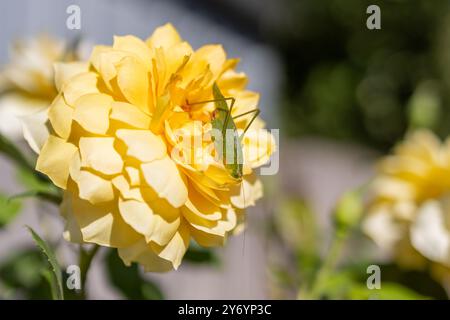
[409, 213]
[27, 87]
[115, 124]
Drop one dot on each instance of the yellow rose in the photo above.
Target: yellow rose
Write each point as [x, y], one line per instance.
[409, 213]
[27, 88]
[116, 123]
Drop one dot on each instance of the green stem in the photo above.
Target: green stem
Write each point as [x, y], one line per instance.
[56, 199]
[328, 265]
[12, 152]
[85, 260]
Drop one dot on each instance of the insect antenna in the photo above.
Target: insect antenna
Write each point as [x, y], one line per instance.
[245, 220]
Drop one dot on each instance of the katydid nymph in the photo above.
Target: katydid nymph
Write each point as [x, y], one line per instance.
[228, 143]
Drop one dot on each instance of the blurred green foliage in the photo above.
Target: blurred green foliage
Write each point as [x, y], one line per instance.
[348, 82]
[343, 285]
[297, 227]
[348, 211]
[8, 210]
[21, 277]
[298, 232]
[129, 280]
[197, 254]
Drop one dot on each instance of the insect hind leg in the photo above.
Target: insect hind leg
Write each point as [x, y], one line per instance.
[255, 112]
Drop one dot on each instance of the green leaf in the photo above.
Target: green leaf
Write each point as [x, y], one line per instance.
[19, 276]
[388, 291]
[199, 255]
[48, 276]
[419, 281]
[338, 285]
[129, 280]
[12, 152]
[150, 291]
[346, 284]
[32, 181]
[8, 210]
[19, 269]
[284, 278]
[56, 275]
[38, 186]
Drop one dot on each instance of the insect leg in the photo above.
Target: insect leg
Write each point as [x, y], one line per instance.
[227, 117]
[246, 113]
[212, 100]
[255, 114]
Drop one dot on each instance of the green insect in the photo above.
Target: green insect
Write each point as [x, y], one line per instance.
[228, 143]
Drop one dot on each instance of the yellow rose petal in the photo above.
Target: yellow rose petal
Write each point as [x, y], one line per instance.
[177, 247]
[95, 57]
[165, 36]
[176, 57]
[247, 193]
[151, 225]
[200, 206]
[220, 176]
[129, 114]
[159, 205]
[142, 253]
[65, 71]
[54, 160]
[165, 178]
[387, 187]
[245, 101]
[75, 166]
[142, 144]
[212, 56]
[136, 46]
[126, 191]
[92, 112]
[132, 79]
[60, 115]
[79, 85]
[100, 155]
[208, 240]
[103, 225]
[94, 188]
[109, 59]
[35, 129]
[218, 228]
[133, 175]
[205, 190]
[231, 79]
[258, 146]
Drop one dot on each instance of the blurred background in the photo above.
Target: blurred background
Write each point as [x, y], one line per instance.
[342, 95]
